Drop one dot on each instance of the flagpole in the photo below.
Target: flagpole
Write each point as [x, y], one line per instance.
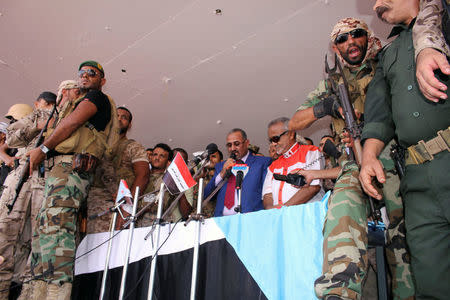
[108, 255]
[198, 224]
[130, 238]
[155, 255]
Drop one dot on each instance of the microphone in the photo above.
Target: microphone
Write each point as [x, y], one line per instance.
[200, 155]
[239, 170]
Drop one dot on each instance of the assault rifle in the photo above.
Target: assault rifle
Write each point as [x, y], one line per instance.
[351, 125]
[25, 173]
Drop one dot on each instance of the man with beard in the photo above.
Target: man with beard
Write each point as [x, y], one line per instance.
[345, 261]
[130, 163]
[395, 108]
[77, 139]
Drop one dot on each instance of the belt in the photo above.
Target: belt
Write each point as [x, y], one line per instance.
[60, 159]
[425, 151]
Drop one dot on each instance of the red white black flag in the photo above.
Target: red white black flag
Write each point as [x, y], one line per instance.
[177, 177]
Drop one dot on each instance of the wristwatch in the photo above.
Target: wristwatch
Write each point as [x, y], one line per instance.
[44, 149]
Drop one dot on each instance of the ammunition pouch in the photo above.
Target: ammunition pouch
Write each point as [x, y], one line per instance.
[425, 151]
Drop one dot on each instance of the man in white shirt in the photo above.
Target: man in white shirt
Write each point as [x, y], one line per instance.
[293, 158]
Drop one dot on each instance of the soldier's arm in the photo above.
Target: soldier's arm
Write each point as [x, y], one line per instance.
[142, 174]
[431, 49]
[84, 111]
[427, 31]
[371, 167]
[303, 195]
[311, 175]
[9, 160]
[317, 105]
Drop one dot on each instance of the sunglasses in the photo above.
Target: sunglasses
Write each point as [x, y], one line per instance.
[89, 72]
[235, 143]
[355, 33]
[276, 139]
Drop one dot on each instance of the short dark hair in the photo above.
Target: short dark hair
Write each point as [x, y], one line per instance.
[126, 109]
[181, 150]
[149, 149]
[48, 97]
[166, 148]
[244, 135]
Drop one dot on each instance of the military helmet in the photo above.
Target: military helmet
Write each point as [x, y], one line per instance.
[18, 111]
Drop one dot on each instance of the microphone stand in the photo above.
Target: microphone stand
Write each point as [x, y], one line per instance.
[199, 220]
[130, 238]
[155, 255]
[116, 210]
[238, 208]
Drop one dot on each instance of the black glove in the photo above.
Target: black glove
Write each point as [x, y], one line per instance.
[327, 107]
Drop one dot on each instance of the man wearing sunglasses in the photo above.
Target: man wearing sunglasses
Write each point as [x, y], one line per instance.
[237, 146]
[77, 140]
[345, 230]
[293, 157]
[396, 108]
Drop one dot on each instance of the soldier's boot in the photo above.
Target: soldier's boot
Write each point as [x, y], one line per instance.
[56, 292]
[33, 290]
[4, 289]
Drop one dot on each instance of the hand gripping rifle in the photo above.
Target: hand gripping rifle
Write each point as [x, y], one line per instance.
[351, 125]
[24, 174]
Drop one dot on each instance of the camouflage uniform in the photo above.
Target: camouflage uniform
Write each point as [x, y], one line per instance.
[103, 191]
[427, 31]
[65, 192]
[15, 236]
[154, 184]
[345, 229]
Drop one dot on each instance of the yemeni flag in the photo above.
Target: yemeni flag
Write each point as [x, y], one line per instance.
[271, 254]
[177, 177]
[124, 192]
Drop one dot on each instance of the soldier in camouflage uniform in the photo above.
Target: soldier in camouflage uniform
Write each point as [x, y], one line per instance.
[345, 230]
[79, 137]
[162, 156]
[130, 163]
[14, 236]
[431, 37]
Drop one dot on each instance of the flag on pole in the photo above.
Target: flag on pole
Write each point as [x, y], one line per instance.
[124, 191]
[177, 177]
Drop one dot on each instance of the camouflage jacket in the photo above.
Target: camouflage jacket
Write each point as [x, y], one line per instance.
[427, 31]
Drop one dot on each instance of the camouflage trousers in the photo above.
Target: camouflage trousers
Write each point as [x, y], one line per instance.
[99, 200]
[345, 253]
[54, 240]
[15, 228]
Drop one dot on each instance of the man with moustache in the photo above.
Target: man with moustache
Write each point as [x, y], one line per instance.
[395, 108]
[345, 229]
[75, 142]
[227, 201]
[130, 163]
[293, 157]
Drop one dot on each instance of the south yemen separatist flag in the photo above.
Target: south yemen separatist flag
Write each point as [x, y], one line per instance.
[177, 177]
[124, 192]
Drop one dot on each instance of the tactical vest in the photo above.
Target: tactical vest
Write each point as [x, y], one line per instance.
[357, 88]
[87, 139]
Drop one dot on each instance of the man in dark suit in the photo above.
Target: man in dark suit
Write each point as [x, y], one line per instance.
[237, 146]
